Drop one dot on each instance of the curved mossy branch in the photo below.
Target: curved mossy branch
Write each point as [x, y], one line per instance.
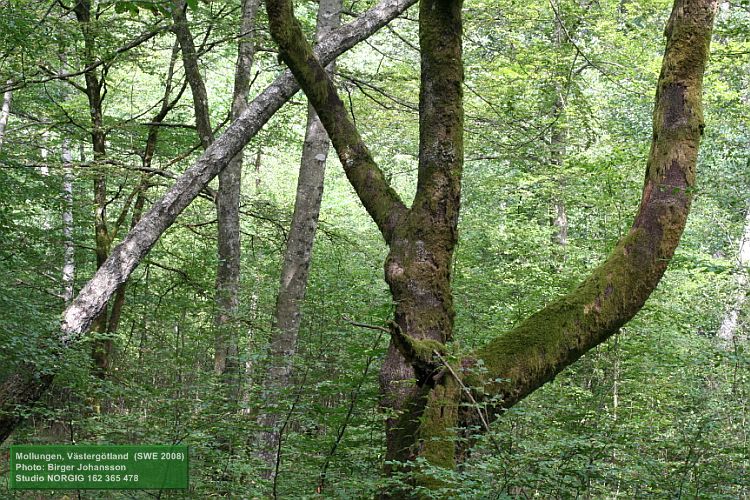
[553, 338]
[379, 199]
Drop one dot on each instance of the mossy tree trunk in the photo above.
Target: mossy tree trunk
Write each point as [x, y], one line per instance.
[421, 238]
[560, 333]
[424, 392]
[181, 30]
[418, 267]
[101, 347]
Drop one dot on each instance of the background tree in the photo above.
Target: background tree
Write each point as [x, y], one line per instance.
[296, 265]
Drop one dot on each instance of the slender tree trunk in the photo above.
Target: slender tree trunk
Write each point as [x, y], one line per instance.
[252, 309]
[101, 349]
[228, 196]
[69, 264]
[192, 72]
[558, 139]
[68, 270]
[728, 329]
[296, 266]
[226, 355]
[5, 112]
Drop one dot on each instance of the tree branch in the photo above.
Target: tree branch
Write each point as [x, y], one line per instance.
[380, 200]
[528, 356]
[90, 67]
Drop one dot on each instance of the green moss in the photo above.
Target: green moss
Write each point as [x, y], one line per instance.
[424, 350]
[437, 432]
[538, 348]
[545, 343]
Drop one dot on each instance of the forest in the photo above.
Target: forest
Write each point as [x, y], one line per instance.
[383, 248]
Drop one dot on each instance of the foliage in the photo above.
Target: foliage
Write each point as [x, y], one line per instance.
[660, 410]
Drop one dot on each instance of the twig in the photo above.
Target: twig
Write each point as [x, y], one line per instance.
[473, 401]
[289, 414]
[466, 390]
[365, 325]
[342, 429]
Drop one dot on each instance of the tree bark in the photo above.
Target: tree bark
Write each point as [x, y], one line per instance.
[418, 267]
[528, 356]
[69, 264]
[25, 385]
[5, 112]
[296, 266]
[101, 348]
[226, 356]
[228, 195]
[728, 329]
[422, 239]
[558, 138]
[192, 72]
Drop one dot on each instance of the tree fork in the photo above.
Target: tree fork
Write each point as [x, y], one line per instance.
[523, 359]
[419, 266]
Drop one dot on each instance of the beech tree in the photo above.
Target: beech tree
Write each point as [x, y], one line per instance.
[422, 237]
[228, 194]
[297, 258]
[228, 213]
